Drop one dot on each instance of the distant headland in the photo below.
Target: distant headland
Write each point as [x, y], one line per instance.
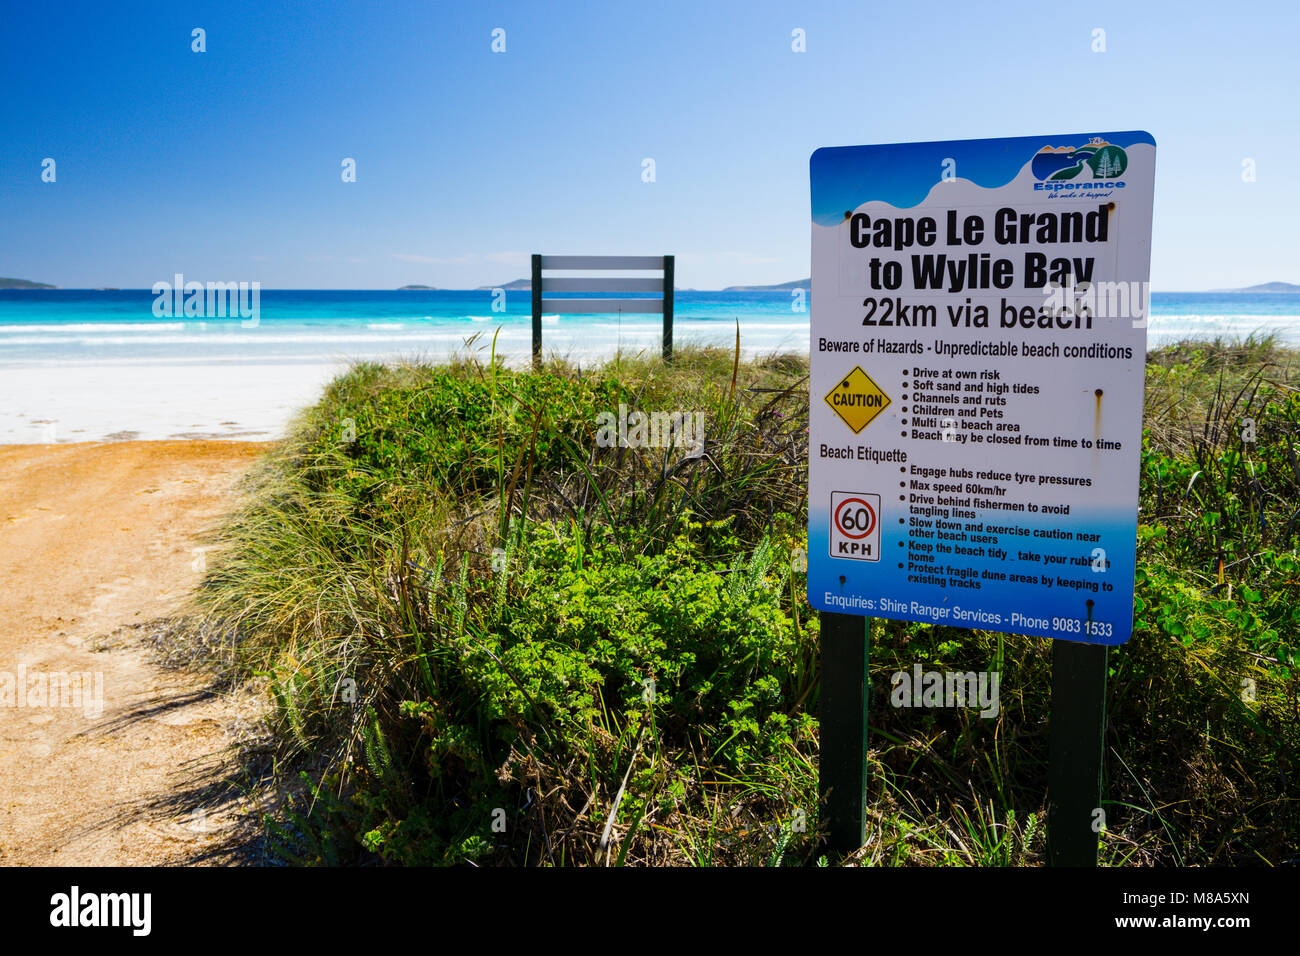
[1266, 287]
[24, 284]
[517, 284]
[780, 287]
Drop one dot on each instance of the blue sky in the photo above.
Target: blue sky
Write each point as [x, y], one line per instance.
[225, 165]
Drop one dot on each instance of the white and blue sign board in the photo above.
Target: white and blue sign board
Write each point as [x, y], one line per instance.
[979, 312]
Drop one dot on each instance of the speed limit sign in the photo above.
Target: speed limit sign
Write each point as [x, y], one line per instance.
[855, 525]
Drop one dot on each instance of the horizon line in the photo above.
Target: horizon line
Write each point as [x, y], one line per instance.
[744, 288]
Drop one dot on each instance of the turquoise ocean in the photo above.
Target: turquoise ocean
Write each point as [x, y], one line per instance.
[42, 328]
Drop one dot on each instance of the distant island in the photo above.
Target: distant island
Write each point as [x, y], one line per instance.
[781, 287]
[24, 284]
[524, 284]
[417, 288]
[1266, 287]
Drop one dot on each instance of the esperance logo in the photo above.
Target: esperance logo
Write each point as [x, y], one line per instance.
[1096, 165]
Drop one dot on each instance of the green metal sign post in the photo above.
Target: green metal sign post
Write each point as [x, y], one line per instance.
[1076, 742]
[842, 781]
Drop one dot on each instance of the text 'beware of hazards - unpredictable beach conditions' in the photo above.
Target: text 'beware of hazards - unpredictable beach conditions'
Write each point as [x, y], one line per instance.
[979, 315]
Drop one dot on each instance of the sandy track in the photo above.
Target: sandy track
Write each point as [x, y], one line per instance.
[95, 537]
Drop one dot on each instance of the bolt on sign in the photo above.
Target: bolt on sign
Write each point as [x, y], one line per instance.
[979, 313]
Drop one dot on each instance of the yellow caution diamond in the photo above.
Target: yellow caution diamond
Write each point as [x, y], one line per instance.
[857, 399]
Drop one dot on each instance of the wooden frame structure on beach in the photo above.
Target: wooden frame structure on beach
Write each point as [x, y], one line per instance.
[606, 284]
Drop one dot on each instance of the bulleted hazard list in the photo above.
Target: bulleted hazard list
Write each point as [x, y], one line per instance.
[976, 407]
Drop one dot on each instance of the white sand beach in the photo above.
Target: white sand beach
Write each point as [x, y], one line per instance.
[56, 405]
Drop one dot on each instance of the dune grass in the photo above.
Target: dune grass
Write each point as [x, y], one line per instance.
[488, 639]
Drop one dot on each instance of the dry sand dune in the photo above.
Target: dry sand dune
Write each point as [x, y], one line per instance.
[95, 538]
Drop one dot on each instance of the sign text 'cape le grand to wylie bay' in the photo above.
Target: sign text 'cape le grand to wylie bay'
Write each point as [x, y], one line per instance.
[978, 349]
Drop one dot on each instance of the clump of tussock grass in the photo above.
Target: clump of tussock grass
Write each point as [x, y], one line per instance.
[1196, 388]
